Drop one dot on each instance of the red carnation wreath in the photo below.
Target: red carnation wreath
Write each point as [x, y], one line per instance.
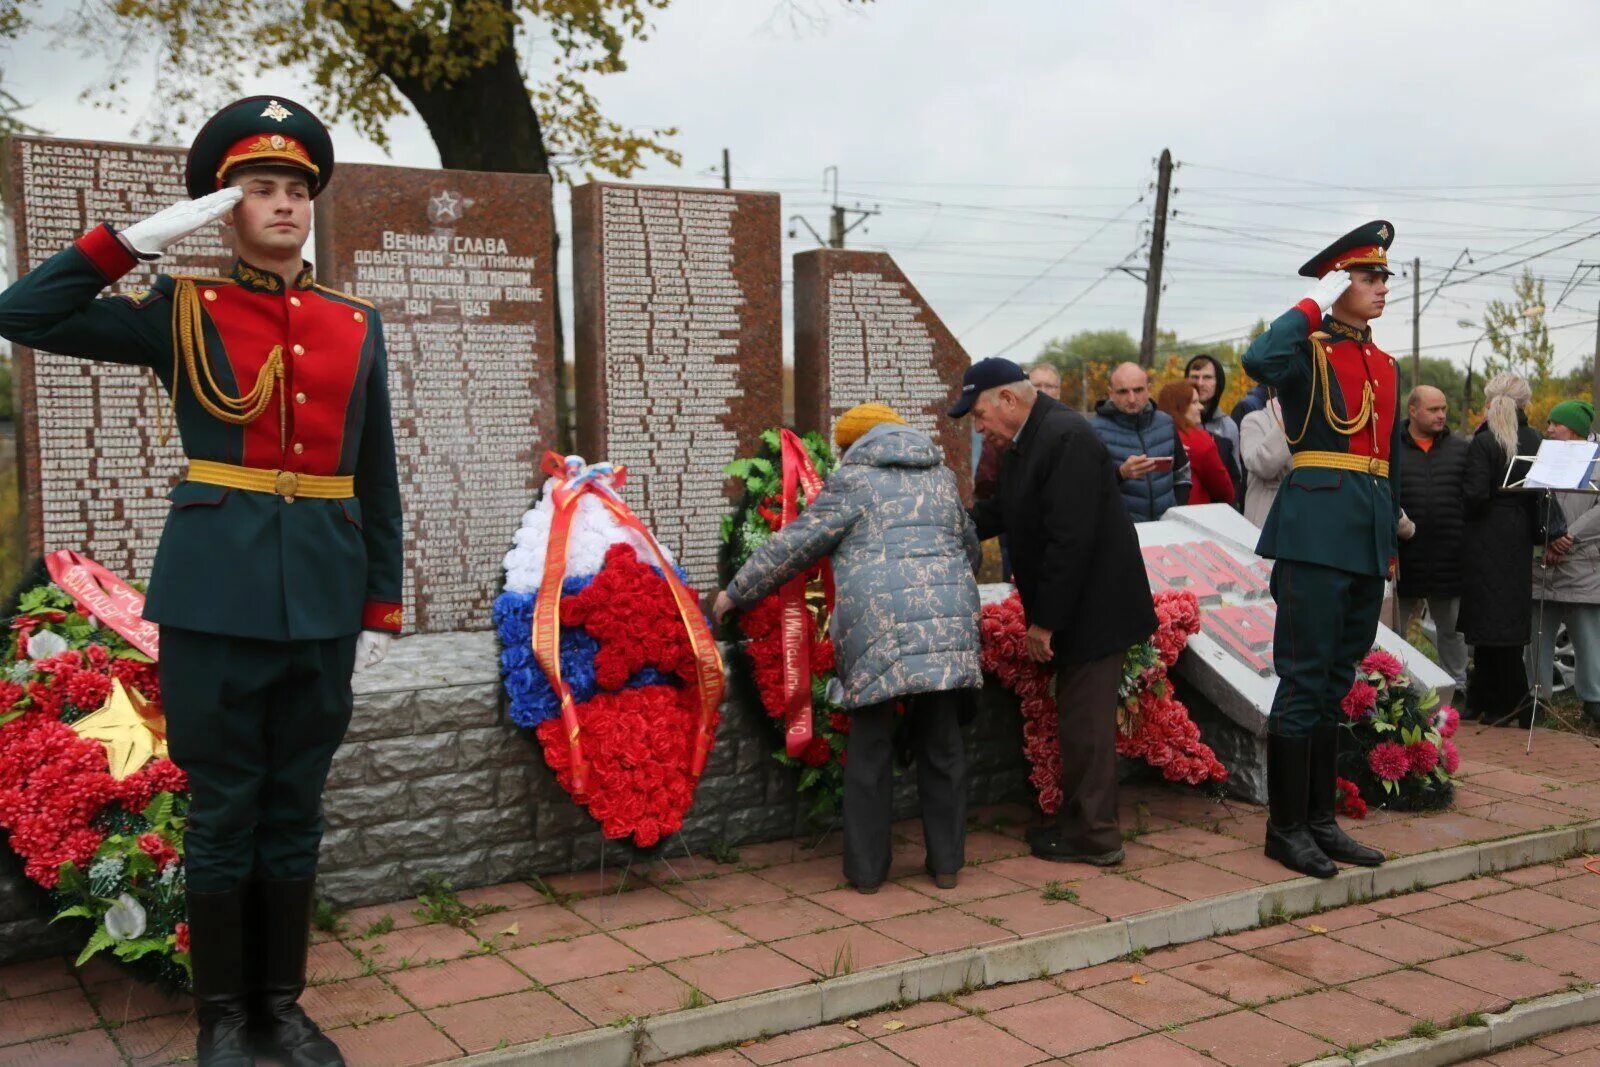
[1152, 725]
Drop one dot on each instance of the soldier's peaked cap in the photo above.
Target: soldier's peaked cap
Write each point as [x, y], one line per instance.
[259, 131]
[1366, 246]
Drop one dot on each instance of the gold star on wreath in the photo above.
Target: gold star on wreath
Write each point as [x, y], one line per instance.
[132, 731]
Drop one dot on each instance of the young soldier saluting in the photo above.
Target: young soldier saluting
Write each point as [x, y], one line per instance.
[278, 572]
[1331, 531]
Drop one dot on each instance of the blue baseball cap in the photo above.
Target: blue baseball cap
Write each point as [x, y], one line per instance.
[988, 373]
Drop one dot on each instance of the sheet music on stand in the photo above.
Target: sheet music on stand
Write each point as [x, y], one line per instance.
[1559, 467]
[1565, 465]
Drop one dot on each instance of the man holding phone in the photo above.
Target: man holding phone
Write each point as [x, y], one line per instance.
[1331, 530]
[1151, 463]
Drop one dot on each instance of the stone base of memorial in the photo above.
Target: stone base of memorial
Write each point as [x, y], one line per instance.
[1225, 676]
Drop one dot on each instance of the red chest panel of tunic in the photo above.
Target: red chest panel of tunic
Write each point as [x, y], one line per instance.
[1353, 365]
[323, 342]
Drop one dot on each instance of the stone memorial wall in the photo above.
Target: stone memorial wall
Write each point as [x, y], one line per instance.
[679, 348]
[94, 475]
[863, 333]
[459, 265]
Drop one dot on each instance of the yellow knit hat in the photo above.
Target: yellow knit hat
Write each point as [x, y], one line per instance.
[861, 418]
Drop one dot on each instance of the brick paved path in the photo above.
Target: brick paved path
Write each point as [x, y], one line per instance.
[1290, 993]
[564, 956]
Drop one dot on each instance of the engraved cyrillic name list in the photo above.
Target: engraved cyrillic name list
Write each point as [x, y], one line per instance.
[879, 350]
[671, 325]
[461, 321]
[100, 474]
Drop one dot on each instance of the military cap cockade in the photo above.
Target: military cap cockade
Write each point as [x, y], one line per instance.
[260, 131]
[1366, 246]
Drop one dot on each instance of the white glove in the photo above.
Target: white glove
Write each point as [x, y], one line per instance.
[371, 647]
[1407, 529]
[150, 238]
[1329, 288]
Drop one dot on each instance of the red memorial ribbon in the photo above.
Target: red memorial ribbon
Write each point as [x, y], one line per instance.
[98, 592]
[576, 481]
[799, 475]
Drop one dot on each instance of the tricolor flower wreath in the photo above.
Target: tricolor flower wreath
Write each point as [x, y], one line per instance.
[109, 849]
[627, 658]
[821, 760]
[1152, 725]
[1398, 750]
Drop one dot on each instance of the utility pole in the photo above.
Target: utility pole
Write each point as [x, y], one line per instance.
[839, 223]
[1594, 384]
[1416, 322]
[1158, 245]
[727, 171]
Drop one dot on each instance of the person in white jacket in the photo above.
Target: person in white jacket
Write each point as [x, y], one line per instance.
[1265, 451]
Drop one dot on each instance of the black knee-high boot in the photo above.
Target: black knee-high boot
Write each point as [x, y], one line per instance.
[282, 928]
[216, 955]
[1321, 801]
[1289, 838]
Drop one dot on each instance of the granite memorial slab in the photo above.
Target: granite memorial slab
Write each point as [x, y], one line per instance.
[863, 333]
[93, 474]
[1209, 550]
[459, 264]
[678, 358]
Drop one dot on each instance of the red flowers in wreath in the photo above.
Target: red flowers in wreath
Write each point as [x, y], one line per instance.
[1153, 726]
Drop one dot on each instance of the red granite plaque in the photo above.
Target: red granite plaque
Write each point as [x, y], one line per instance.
[459, 264]
[93, 474]
[679, 348]
[863, 333]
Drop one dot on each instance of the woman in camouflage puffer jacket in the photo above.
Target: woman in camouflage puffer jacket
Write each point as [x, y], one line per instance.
[904, 627]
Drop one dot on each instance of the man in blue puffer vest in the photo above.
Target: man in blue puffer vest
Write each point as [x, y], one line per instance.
[1144, 443]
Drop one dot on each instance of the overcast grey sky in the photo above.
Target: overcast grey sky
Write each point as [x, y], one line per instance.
[1008, 140]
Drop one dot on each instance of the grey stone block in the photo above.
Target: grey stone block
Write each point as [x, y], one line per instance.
[1559, 1011]
[491, 746]
[388, 714]
[858, 994]
[608, 1047]
[342, 848]
[411, 757]
[363, 805]
[460, 791]
[361, 885]
[349, 765]
[410, 837]
[458, 707]
[491, 826]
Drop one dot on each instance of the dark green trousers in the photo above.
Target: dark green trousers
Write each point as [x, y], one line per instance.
[255, 725]
[1327, 619]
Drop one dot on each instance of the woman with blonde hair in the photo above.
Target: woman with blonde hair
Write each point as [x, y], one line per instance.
[1503, 526]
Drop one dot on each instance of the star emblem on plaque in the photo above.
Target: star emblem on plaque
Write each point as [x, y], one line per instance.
[446, 206]
[275, 111]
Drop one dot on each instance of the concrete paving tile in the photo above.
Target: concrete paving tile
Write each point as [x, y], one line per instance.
[458, 980]
[890, 900]
[801, 1044]
[1005, 996]
[1143, 1051]
[674, 939]
[406, 1041]
[945, 930]
[1425, 996]
[60, 1011]
[1192, 842]
[581, 957]
[1559, 952]
[1324, 959]
[727, 891]
[132, 999]
[784, 918]
[1492, 972]
[1474, 924]
[635, 994]
[847, 950]
[1534, 906]
[1400, 941]
[974, 883]
[740, 972]
[1165, 959]
[415, 947]
[36, 976]
[613, 911]
[1244, 979]
[907, 1017]
[86, 1048]
[532, 926]
[163, 1039]
[808, 876]
[959, 1043]
[1116, 897]
[531, 1015]
[1064, 1025]
[1027, 913]
[1245, 1039]
[1157, 1001]
[1339, 1018]
[1192, 880]
[360, 1000]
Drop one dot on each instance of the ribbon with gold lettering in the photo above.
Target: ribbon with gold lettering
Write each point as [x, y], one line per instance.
[98, 592]
[799, 475]
[600, 480]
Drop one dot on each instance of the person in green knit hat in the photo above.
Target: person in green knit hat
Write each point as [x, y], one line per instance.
[1567, 579]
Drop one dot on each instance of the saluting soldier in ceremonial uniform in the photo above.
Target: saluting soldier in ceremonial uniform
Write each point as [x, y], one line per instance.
[278, 572]
[1332, 531]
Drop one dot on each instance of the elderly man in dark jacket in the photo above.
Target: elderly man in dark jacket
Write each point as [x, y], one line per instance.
[904, 626]
[1431, 473]
[1082, 580]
